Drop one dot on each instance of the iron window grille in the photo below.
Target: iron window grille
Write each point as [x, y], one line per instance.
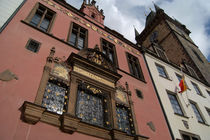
[91, 106]
[55, 97]
[33, 45]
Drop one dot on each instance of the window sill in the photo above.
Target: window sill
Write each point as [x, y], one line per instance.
[203, 123]
[32, 113]
[201, 95]
[165, 77]
[181, 115]
[51, 35]
[143, 80]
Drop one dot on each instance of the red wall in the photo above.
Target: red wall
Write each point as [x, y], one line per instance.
[28, 67]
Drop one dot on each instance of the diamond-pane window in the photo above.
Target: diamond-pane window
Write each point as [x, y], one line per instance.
[54, 98]
[91, 106]
[123, 121]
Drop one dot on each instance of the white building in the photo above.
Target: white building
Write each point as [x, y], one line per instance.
[187, 113]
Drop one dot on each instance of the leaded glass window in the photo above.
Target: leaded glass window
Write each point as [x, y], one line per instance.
[123, 121]
[91, 106]
[54, 98]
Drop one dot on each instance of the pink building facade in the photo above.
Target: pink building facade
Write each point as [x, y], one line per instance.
[89, 64]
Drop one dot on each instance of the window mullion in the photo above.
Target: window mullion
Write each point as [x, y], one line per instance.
[43, 16]
[77, 39]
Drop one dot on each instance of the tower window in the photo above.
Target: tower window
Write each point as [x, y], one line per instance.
[33, 46]
[198, 56]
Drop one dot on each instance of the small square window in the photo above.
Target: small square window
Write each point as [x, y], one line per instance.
[33, 46]
[161, 71]
[139, 94]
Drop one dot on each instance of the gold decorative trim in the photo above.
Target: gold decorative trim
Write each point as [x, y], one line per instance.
[93, 76]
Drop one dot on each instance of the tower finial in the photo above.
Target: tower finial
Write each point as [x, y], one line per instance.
[136, 32]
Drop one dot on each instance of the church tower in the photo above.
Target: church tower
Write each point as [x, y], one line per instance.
[170, 40]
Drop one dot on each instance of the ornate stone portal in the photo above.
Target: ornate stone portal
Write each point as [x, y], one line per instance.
[67, 88]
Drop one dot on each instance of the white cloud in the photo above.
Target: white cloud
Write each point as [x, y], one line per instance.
[121, 15]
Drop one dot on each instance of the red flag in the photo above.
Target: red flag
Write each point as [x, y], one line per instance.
[182, 85]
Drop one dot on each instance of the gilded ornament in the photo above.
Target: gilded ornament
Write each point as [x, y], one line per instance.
[94, 119]
[65, 97]
[60, 71]
[48, 90]
[106, 111]
[107, 123]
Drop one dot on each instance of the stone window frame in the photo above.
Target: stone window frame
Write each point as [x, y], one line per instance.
[113, 49]
[189, 135]
[197, 111]
[33, 12]
[164, 70]
[72, 24]
[28, 43]
[178, 101]
[138, 66]
[68, 122]
[208, 111]
[197, 89]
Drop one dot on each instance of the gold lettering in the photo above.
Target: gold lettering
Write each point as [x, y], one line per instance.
[93, 76]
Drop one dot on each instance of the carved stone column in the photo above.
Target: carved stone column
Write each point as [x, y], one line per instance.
[45, 77]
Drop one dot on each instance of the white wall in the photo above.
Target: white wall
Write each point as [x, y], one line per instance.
[175, 121]
[7, 8]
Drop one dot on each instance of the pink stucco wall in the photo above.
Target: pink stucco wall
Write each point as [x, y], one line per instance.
[28, 67]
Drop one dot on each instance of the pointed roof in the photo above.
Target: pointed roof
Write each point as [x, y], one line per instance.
[136, 32]
[157, 7]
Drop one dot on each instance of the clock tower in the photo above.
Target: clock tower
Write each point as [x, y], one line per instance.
[169, 39]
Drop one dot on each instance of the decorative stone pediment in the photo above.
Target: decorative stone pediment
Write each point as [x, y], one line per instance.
[95, 56]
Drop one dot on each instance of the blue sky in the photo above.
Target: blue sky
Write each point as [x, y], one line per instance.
[125, 14]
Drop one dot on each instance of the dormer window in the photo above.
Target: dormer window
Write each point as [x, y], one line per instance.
[159, 51]
[93, 15]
